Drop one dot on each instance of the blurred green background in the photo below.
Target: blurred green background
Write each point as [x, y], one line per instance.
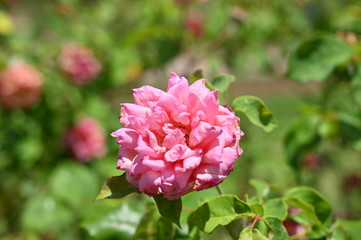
[46, 192]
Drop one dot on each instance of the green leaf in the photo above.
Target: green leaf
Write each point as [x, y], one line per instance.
[75, 184]
[164, 229]
[257, 209]
[145, 225]
[276, 207]
[301, 136]
[350, 228]
[169, 209]
[196, 75]
[311, 197]
[356, 85]
[116, 187]
[255, 234]
[43, 214]
[221, 83]
[317, 58]
[262, 188]
[276, 225]
[119, 223]
[217, 211]
[256, 111]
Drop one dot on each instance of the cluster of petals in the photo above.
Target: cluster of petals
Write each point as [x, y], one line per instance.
[86, 140]
[79, 63]
[177, 141]
[20, 86]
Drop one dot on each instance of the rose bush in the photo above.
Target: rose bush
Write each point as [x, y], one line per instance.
[177, 141]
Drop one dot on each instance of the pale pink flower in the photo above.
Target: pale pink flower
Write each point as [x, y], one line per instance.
[79, 63]
[20, 86]
[177, 141]
[86, 140]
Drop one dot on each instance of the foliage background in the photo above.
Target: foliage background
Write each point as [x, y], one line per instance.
[45, 194]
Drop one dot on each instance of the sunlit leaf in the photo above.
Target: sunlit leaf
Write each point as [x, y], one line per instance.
[310, 197]
[275, 207]
[255, 234]
[120, 223]
[169, 209]
[350, 228]
[317, 58]
[276, 225]
[219, 211]
[256, 111]
[221, 83]
[116, 187]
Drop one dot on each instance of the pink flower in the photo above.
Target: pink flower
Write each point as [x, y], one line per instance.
[86, 140]
[79, 64]
[177, 141]
[20, 86]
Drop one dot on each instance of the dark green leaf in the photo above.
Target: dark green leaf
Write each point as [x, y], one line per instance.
[356, 86]
[116, 187]
[169, 209]
[219, 211]
[145, 225]
[256, 111]
[309, 196]
[301, 137]
[255, 234]
[276, 225]
[317, 58]
[275, 207]
[221, 83]
[164, 229]
[196, 75]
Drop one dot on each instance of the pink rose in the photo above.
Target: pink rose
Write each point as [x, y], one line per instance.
[86, 140]
[177, 141]
[20, 86]
[79, 64]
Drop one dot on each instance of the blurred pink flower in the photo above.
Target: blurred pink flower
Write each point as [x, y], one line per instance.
[177, 141]
[20, 86]
[79, 64]
[86, 140]
[194, 25]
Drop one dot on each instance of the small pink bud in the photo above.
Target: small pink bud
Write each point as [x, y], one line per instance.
[20, 86]
[86, 140]
[79, 63]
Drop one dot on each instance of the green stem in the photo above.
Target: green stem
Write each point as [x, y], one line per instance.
[219, 190]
